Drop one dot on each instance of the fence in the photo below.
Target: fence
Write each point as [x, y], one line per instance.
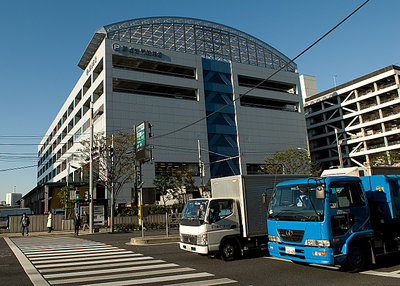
[38, 223]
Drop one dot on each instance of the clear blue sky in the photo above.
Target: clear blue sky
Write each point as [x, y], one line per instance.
[42, 42]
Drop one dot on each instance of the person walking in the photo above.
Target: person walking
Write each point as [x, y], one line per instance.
[77, 223]
[50, 222]
[25, 224]
[85, 221]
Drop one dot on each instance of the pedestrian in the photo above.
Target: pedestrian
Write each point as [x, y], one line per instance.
[85, 220]
[25, 224]
[50, 222]
[77, 223]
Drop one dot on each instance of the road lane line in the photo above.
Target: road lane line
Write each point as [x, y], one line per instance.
[119, 276]
[76, 249]
[97, 266]
[54, 253]
[36, 278]
[383, 274]
[56, 261]
[92, 262]
[155, 279]
[115, 252]
[112, 270]
[206, 282]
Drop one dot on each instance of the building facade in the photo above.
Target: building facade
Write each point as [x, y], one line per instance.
[13, 198]
[356, 123]
[173, 72]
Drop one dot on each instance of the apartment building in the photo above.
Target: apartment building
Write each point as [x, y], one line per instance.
[356, 123]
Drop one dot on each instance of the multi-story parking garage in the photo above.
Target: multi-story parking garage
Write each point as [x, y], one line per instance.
[365, 115]
[172, 72]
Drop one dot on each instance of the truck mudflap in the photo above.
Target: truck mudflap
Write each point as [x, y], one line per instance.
[200, 249]
[306, 254]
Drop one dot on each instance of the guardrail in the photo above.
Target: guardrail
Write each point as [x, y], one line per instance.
[38, 223]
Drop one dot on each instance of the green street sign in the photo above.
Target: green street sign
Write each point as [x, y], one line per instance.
[140, 136]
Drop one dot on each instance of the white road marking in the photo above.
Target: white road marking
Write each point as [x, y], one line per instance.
[29, 269]
[118, 276]
[73, 260]
[155, 279]
[97, 266]
[112, 270]
[79, 255]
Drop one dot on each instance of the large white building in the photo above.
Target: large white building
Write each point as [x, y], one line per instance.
[13, 198]
[171, 72]
[359, 120]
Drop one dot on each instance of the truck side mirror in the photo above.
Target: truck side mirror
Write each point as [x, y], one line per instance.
[264, 198]
[320, 193]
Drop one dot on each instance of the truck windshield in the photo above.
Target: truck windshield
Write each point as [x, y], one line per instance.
[296, 203]
[195, 210]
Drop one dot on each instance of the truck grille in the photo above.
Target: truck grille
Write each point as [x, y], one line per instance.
[187, 238]
[291, 235]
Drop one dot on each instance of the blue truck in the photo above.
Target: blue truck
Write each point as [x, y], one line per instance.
[338, 220]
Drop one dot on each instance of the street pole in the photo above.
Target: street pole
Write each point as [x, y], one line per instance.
[339, 149]
[201, 167]
[112, 182]
[91, 170]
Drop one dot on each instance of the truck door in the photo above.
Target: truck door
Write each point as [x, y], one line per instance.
[348, 210]
[223, 221]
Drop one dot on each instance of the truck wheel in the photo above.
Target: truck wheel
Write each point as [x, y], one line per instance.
[357, 258]
[229, 250]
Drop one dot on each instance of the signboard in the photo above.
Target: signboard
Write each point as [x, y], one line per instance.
[140, 136]
[143, 152]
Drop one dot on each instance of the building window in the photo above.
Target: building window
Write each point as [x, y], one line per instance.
[152, 67]
[167, 167]
[268, 85]
[260, 102]
[153, 89]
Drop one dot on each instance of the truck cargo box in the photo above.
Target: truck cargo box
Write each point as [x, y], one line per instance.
[384, 190]
[253, 194]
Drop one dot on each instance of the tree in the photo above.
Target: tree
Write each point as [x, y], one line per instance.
[291, 161]
[174, 184]
[66, 202]
[382, 159]
[162, 183]
[114, 165]
[111, 168]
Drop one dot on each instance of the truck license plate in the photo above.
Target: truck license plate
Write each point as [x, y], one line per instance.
[290, 250]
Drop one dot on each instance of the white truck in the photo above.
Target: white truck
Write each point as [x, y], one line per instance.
[234, 220]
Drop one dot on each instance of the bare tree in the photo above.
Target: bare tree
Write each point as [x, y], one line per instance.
[113, 160]
[291, 161]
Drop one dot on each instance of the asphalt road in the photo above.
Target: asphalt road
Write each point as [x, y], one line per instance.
[247, 271]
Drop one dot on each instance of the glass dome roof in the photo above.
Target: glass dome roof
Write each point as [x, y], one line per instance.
[187, 35]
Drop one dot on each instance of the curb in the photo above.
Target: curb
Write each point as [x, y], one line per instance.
[154, 240]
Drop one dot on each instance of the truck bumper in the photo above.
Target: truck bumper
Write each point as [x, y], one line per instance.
[304, 254]
[201, 249]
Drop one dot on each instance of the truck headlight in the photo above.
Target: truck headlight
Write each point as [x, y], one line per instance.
[274, 238]
[202, 239]
[318, 243]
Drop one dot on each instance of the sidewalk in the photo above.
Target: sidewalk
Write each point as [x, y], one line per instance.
[150, 236]
[53, 233]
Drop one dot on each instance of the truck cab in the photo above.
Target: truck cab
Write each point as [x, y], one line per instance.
[210, 226]
[320, 220]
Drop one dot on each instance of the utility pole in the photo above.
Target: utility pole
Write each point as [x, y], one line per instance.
[201, 167]
[91, 170]
[339, 148]
[111, 175]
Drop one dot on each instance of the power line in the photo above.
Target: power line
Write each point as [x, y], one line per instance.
[269, 77]
[17, 168]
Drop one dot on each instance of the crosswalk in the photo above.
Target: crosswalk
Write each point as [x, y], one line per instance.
[384, 273]
[74, 261]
